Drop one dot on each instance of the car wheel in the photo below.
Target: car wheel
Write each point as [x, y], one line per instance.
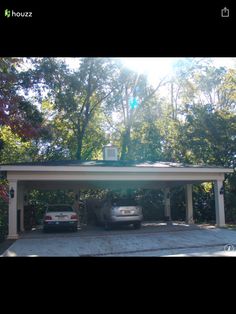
[75, 229]
[137, 225]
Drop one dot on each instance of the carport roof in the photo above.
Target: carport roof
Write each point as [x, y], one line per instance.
[109, 163]
[105, 172]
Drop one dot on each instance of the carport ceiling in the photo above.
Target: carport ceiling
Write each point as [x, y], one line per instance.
[73, 185]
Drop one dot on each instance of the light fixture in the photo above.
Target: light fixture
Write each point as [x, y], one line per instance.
[222, 190]
[12, 192]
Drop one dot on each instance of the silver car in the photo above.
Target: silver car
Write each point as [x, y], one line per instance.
[120, 211]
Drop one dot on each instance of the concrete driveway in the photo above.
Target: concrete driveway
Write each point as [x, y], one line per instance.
[153, 239]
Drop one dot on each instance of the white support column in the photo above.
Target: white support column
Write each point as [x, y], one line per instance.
[189, 204]
[219, 203]
[12, 214]
[20, 204]
[167, 202]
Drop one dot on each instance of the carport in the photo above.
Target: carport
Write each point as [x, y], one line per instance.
[110, 174]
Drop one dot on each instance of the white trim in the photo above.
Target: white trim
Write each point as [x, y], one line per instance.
[89, 176]
[144, 169]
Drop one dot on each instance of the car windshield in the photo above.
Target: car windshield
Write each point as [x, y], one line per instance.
[124, 202]
[59, 208]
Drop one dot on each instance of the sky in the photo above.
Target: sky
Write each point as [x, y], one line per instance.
[157, 68]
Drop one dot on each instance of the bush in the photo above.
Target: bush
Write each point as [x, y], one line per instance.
[203, 204]
[152, 204]
[178, 203]
[3, 223]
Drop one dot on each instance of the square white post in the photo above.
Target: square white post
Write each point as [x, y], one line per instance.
[219, 203]
[20, 204]
[12, 212]
[167, 202]
[189, 204]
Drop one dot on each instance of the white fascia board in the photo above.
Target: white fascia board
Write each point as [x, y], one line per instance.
[114, 169]
[121, 176]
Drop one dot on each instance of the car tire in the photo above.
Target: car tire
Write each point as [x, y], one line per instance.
[137, 225]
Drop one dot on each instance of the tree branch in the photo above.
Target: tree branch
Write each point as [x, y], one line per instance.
[117, 130]
[101, 100]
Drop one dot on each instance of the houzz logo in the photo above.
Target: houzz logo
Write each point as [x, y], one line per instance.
[7, 13]
[12, 13]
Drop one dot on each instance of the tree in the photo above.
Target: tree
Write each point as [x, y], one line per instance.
[20, 120]
[76, 96]
[16, 111]
[205, 128]
[210, 135]
[130, 96]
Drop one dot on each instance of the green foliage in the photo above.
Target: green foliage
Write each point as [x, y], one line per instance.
[14, 150]
[128, 86]
[203, 203]
[146, 142]
[152, 204]
[178, 204]
[210, 135]
[77, 98]
[16, 111]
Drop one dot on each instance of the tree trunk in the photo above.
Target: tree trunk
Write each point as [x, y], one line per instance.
[125, 147]
[81, 132]
[79, 147]
[128, 144]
